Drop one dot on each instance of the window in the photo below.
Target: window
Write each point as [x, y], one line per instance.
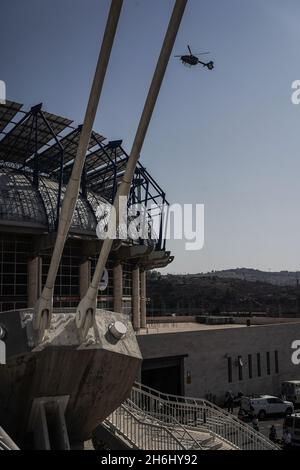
[250, 372]
[278, 400]
[240, 367]
[274, 401]
[66, 290]
[258, 365]
[127, 307]
[276, 362]
[14, 254]
[229, 365]
[268, 363]
[127, 280]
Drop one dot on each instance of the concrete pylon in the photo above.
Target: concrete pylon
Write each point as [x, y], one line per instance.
[136, 306]
[143, 299]
[118, 288]
[87, 307]
[43, 309]
[34, 272]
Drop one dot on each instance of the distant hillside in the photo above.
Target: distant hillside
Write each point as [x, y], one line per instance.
[282, 278]
[236, 290]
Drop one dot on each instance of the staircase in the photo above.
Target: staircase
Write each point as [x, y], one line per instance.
[150, 420]
[140, 430]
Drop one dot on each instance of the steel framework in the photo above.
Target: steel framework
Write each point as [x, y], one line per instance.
[37, 150]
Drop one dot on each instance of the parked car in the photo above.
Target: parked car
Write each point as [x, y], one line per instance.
[266, 405]
[292, 424]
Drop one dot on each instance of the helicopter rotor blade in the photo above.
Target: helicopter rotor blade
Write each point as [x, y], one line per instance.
[190, 50]
[202, 53]
[177, 55]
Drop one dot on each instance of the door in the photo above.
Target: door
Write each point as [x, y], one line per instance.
[275, 406]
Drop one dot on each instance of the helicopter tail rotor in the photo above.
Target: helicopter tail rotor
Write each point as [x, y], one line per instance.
[210, 65]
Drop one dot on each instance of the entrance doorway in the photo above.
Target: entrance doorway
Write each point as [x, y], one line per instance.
[164, 374]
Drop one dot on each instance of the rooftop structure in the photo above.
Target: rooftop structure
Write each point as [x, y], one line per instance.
[162, 328]
[37, 151]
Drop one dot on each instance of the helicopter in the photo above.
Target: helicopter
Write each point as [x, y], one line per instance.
[192, 59]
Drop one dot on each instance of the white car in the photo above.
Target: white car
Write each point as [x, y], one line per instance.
[265, 405]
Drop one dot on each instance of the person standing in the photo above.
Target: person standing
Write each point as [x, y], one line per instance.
[255, 423]
[273, 434]
[229, 401]
[287, 439]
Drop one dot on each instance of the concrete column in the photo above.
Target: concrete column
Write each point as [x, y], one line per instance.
[34, 280]
[143, 300]
[136, 320]
[118, 288]
[84, 277]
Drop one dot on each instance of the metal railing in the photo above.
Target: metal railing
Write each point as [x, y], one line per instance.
[6, 443]
[181, 432]
[140, 433]
[199, 414]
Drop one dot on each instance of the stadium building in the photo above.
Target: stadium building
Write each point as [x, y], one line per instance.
[37, 151]
[177, 356]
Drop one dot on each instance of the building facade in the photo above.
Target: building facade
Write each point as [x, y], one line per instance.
[208, 360]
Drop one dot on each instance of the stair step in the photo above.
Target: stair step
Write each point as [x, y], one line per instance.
[217, 446]
[207, 441]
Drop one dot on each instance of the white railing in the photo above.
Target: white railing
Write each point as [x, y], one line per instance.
[181, 432]
[199, 414]
[6, 443]
[142, 434]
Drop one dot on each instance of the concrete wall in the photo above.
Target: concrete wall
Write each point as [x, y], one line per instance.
[207, 357]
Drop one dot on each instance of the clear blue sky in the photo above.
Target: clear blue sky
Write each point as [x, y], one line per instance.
[227, 138]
